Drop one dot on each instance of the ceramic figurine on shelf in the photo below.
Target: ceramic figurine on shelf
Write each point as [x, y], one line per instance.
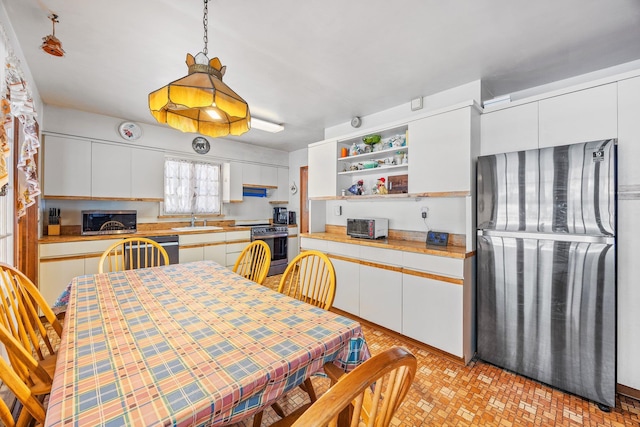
[356, 189]
[382, 189]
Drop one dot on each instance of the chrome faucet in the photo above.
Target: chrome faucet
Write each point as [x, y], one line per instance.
[193, 220]
[204, 222]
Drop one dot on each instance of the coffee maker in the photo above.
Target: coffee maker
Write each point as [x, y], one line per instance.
[280, 216]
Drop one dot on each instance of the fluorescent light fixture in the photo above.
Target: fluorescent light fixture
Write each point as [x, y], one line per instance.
[265, 125]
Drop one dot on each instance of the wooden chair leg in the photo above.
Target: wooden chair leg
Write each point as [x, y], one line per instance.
[257, 419]
[308, 387]
[278, 409]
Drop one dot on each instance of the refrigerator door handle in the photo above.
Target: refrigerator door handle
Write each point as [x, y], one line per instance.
[581, 238]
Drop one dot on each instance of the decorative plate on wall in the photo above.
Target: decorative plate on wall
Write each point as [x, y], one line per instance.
[200, 145]
[130, 131]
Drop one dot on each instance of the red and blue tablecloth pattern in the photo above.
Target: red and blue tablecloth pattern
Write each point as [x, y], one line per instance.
[187, 344]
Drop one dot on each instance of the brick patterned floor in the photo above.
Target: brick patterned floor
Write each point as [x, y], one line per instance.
[445, 393]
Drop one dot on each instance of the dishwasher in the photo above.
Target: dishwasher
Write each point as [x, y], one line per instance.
[169, 243]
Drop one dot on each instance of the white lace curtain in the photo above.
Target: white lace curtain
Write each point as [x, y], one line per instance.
[191, 187]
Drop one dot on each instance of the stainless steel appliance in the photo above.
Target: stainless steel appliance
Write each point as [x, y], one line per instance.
[169, 243]
[546, 277]
[276, 237]
[280, 216]
[368, 228]
[109, 222]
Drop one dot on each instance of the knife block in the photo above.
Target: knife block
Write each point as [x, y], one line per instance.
[53, 230]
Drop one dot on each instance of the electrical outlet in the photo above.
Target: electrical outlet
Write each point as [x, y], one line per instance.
[424, 215]
[424, 211]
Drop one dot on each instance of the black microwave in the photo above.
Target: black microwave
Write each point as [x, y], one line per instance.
[109, 222]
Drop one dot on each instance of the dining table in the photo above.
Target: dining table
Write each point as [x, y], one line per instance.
[188, 344]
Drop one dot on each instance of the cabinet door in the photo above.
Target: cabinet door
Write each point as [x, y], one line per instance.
[56, 275]
[628, 134]
[67, 167]
[268, 176]
[250, 174]
[232, 252]
[586, 115]
[192, 254]
[232, 182]
[511, 129]
[432, 313]
[440, 155]
[322, 163]
[110, 170]
[381, 297]
[293, 248]
[283, 185]
[347, 286]
[147, 174]
[217, 253]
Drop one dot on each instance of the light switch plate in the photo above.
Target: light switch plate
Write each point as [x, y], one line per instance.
[337, 210]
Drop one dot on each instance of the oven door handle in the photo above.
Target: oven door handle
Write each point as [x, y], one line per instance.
[268, 236]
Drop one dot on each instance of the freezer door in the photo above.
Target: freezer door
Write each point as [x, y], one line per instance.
[546, 309]
[507, 190]
[577, 188]
[569, 189]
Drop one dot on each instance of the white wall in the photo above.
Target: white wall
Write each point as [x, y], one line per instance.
[63, 121]
[466, 92]
[297, 159]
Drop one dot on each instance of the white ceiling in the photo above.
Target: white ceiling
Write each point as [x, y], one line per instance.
[315, 64]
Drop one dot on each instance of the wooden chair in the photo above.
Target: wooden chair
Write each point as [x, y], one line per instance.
[132, 253]
[368, 396]
[32, 407]
[254, 261]
[309, 277]
[20, 310]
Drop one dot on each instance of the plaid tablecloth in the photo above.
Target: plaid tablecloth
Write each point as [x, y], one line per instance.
[187, 344]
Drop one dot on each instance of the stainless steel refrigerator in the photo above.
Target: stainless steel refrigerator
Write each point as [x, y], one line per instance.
[546, 277]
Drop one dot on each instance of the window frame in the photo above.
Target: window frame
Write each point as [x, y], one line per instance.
[194, 190]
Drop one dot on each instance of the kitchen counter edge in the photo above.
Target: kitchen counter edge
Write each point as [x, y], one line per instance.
[145, 233]
[400, 245]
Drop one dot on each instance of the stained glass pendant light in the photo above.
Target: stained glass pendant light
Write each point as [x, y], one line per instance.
[200, 102]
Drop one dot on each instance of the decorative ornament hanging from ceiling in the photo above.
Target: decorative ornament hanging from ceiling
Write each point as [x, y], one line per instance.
[50, 43]
[200, 102]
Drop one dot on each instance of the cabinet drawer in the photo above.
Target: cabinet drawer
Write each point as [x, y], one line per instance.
[383, 256]
[190, 239]
[345, 249]
[74, 248]
[238, 235]
[236, 248]
[452, 267]
[319, 245]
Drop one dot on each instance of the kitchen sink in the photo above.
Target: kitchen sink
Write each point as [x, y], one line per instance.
[198, 228]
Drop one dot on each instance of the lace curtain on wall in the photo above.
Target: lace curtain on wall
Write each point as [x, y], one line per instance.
[191, 187]
[19, 103]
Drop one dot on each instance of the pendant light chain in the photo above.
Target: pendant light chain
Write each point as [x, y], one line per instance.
[205, 24]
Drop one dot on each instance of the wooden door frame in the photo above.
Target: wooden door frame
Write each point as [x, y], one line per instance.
[25, 228]
[304, 199]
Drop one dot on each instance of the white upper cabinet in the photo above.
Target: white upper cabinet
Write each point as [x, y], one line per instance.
[628, 133]
[147, 174]
[268, 176]
[511, 129]
[232, 182]
[250, 174]
[322, 169]
[282, 193]
[585, 115]
[110, 170]
[441, 152]
[67, 167]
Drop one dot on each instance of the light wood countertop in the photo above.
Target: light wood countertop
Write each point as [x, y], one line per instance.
[400, 245]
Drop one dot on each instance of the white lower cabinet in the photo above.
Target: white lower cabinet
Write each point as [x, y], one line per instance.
[217, 253]
[233, 251]
[432, 312]
[381, 297]
[293, 249]
[191, 254]
[347, 286]
[56, 275]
